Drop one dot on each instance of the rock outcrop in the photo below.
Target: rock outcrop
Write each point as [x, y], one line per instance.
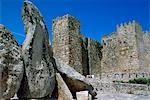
[63, 90]
[74, 80]
[39, 77]
[11, 64]
[35, 67]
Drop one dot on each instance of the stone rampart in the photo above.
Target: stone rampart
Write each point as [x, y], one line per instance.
[124, 76]
[106, 87]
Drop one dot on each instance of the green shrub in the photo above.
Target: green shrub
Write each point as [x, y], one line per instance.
[131, 81]
[135, 81]
[140, 81]
[118, 81]
[148, 81]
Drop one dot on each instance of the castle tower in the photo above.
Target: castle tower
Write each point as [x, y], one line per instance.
[122, 51]
[129, 46]
[66, 42]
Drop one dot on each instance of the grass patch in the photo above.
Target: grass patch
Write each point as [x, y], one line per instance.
[135, 81]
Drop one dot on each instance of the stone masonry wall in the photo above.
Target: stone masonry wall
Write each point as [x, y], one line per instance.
[107, 87]
[123, 76]
[67, 42]
[123, 51]
[146, 52]
[94, 56]
[125, 88]
[74, 49]
[85, 59]
[109, 55]
[61, 39]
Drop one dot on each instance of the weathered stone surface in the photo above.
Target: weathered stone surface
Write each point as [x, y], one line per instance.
[74, 80]
[39, 77]
[126, 50]
[94, 56]
[123, 76]
[74, 49]
[63, 91]
[85, 59]
[128, 88]
[11, 64]
[66, 42]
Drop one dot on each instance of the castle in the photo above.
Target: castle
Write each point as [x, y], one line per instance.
[76, 50]
[38, 70]
[125, 51]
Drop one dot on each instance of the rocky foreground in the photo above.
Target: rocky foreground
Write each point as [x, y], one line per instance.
[115, 96]
[31, 71]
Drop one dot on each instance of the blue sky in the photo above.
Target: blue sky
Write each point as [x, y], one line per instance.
[97, 17]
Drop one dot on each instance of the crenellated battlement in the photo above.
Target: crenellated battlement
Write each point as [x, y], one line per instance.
[129, 27]
[66, 25]
[126, 28]
[127, 49]
[123, 50]
[65, 17]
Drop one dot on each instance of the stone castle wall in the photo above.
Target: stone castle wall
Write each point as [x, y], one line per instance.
[123, 50]
[95, 56]
[66, 41]
[106, 87]
[146, 52]
[85, 59]
[123, 76]
[74, 49]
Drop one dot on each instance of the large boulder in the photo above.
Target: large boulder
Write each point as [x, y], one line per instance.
[11, 64]
[39, 77]
[74, 80]
[63, 90]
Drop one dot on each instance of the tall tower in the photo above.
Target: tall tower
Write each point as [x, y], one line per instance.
[129, 46]
[122, 50]
[67, 44]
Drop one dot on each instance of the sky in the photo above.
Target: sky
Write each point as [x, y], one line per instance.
[97, 17]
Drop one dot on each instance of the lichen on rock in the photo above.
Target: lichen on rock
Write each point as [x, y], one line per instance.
[11, 64]
[39, 77]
